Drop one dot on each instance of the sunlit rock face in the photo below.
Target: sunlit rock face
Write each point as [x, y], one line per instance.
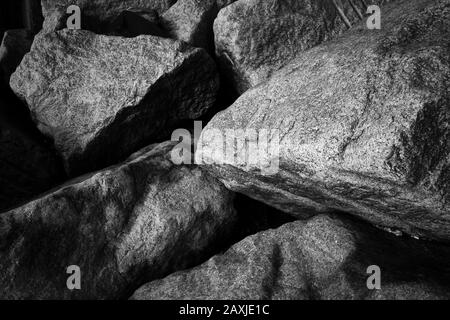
[361, 124]
[100, 98]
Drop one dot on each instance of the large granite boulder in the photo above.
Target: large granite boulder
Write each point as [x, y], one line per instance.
[255, 38]
[360, 124]
[101, 97]
[325, 258]
[96, 15]
[192, 21]
[15, 44]
[123, 226]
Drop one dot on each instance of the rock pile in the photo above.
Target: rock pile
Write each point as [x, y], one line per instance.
[327, 178]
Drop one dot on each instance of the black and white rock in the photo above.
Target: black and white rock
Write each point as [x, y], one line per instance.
[122, 226]
[192, 21]
[255, 38]
[102, 97]
[324, 258]
[362, 122]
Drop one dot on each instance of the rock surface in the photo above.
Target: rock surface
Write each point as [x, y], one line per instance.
[28, 165]
[192, 21]
[96, 15]
[15, 44]
[324, 258]
[101, 98]
[363, 126]
[255, 38]
[123, 226]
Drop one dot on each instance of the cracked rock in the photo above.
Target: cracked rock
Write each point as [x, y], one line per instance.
[255, 38]
[101, 97]
[123, 226]
[324, 258]
[362, 122]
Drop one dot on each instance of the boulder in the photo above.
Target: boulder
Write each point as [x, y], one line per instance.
[15, 44]
[192, 21]
[360, 124]
[255, 38]
[123, 226]
[96, 15]
[326, 258]
[101, 97]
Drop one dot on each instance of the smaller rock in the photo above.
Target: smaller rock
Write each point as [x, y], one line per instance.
[192, 21]
[254, 38]
[99, 108]
[327, 257]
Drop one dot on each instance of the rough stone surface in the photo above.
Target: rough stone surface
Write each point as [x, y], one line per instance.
[324, 258]
[28, 164]
[192, 21]
[123, 226]
[255, 38]
[363, 126]
[15, 44]
[96, 15]
[101, 98]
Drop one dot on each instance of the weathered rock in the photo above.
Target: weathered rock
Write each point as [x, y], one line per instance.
[132, 23]
[15, 44]
[256, 38]
[101, 98]
[324, 258]
[28, 165]
[96, 15]
[192, 21]
[123, 226]
[362, 122]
